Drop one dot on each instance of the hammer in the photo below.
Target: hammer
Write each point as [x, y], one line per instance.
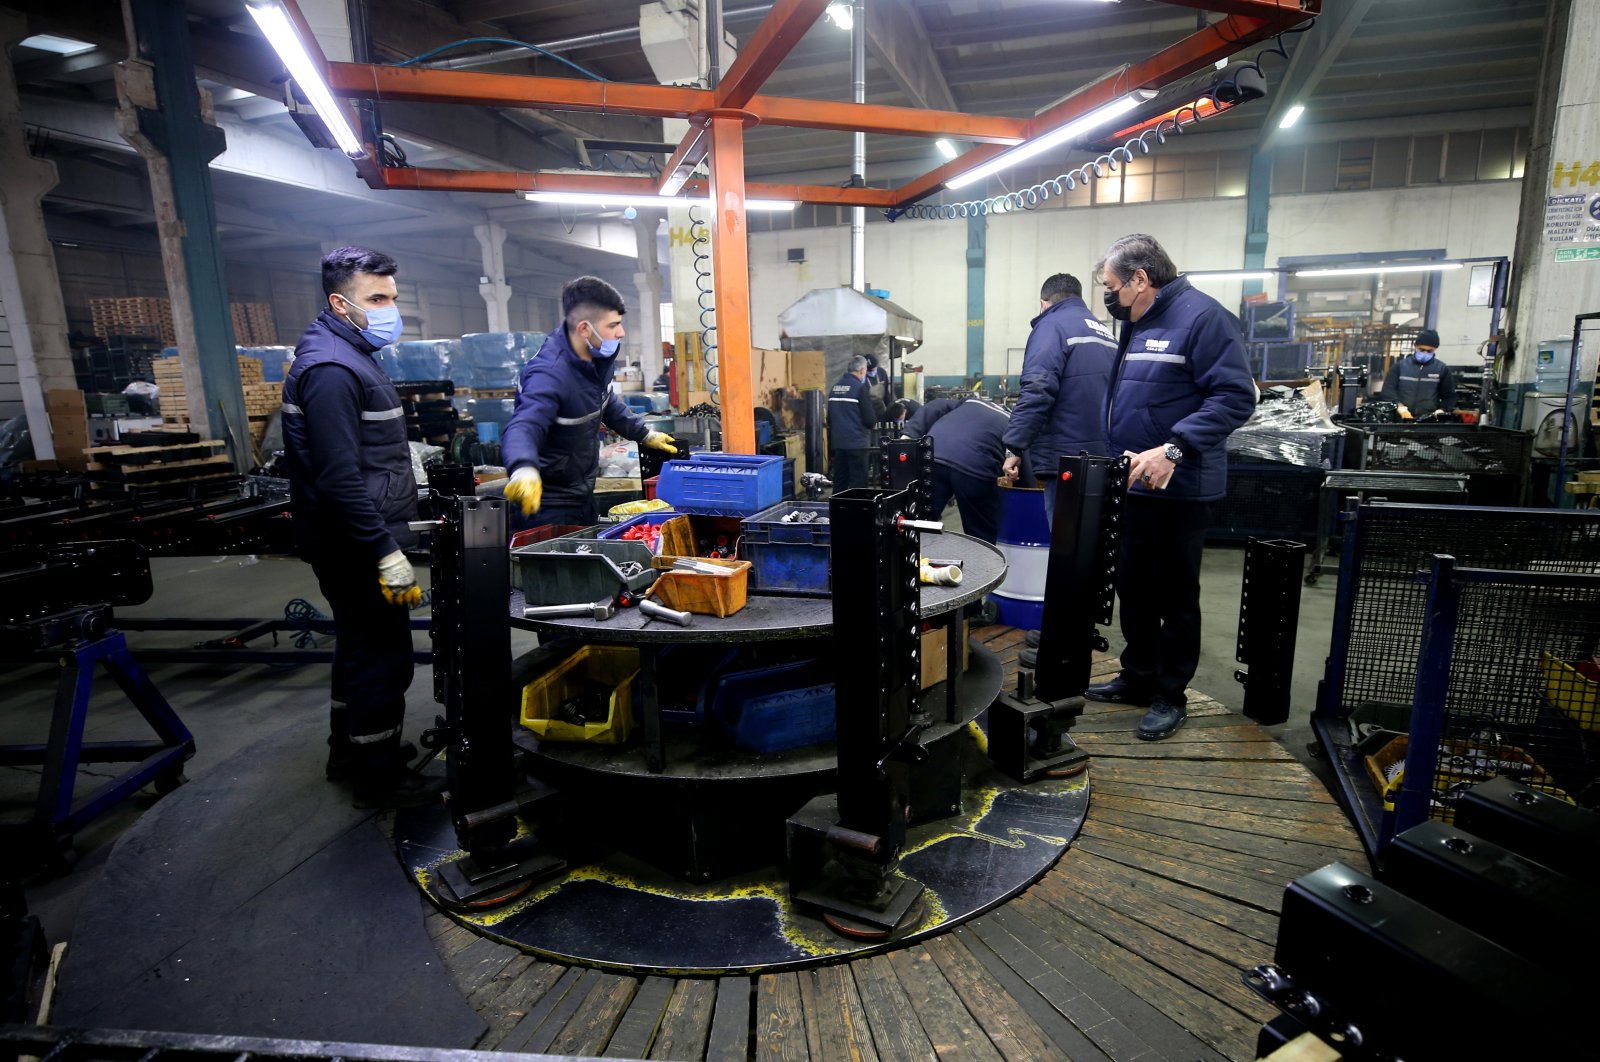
[603, 609]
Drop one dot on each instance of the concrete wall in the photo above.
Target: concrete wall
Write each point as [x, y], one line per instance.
[923, 263]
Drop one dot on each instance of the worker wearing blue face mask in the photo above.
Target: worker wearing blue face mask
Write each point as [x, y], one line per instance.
[551, 445]
[1421, 381]
[352, 495]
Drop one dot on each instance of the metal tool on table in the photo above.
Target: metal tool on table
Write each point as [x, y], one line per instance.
[662, 612]
[603, 609]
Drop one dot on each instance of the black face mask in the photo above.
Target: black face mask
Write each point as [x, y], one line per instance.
[1118, 311]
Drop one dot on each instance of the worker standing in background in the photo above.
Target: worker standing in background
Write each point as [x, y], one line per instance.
[352, 495]
[552, 442]
[967, 457]
[1180, 385]
[851, 420]
[1420, 381]
[1064, 373]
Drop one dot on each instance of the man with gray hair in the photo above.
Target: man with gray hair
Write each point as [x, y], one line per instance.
[851, 418]
[1180, 385]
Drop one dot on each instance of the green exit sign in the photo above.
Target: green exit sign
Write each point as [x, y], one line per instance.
[1577, 254]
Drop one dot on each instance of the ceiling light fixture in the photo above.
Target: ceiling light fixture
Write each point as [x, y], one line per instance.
[946, 148]
[1291, 116]
[1248, 274]
[51, 42]
[280, 33]
[1361, 271]
[840, 15]
[1061, 134]
[623, 199]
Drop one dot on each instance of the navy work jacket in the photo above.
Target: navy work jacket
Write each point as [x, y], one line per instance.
[1064, 373]
[344, 436]
[561, 403]
[851, 414]
[1181, 375]
[966, 435]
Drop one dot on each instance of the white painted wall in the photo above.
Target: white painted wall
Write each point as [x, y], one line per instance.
[923, 263]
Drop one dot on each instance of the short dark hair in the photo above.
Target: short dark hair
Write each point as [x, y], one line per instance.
[1061, 286]
[578, 296]
[1139, 251]
[342, 263]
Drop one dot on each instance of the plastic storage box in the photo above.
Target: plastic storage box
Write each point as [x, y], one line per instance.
[787, 558]
[565, 571]
[612, 666]
[651, 519]
[770, 709]
[722, 484]
[708, 595]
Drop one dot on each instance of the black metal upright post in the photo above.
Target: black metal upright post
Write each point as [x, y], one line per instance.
[1269, 616]
[472, 679]
[1081, 580]
[908, 465]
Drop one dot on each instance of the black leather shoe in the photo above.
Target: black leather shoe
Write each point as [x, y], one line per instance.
[1119, 691]
[1032, 639]
[1162, 720]
[342, 762]
[1028, 658]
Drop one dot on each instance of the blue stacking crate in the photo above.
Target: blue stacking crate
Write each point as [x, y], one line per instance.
[786, 558]
[655, 518]
[722, 484]
[771, 709]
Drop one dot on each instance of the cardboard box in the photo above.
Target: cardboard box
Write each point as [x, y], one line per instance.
[935, 652]
[69, 427]
[769, 372]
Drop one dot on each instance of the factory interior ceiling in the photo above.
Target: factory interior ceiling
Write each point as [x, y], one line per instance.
[1397, 68]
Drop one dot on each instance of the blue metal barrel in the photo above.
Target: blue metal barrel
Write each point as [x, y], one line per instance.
[1024, 539]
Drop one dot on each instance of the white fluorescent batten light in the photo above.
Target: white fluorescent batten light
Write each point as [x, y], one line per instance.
[280, 33]
[946, 148]
[1249, 274]
[1221, 64]
[1361, 271]
[840, 15]
[623, 199]
[1291, 116]
[1062, 134]
[50, 42]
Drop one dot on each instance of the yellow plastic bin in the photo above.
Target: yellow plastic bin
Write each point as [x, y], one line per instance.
[612, 666]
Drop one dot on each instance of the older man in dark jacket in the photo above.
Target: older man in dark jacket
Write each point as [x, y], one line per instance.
[1064, 373]
[351, 497]
[1179, 387]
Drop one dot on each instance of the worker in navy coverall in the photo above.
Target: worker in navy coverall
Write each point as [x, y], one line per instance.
[852, 417]
[352, 495]
[551, 445]
[967, 456]
[1179, 387]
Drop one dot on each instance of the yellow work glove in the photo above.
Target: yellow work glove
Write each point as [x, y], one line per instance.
[660, 440]
[526, 489]
[398, 581]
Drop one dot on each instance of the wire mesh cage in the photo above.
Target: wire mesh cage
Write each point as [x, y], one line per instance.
[1444, 448]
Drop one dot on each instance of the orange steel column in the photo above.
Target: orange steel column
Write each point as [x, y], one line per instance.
[730, 277]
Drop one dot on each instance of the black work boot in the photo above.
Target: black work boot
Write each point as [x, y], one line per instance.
[342, 762]
[1120, 691]
[1162, 720]
[395, 787]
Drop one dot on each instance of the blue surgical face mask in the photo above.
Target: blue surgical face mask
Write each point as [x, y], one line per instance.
[1424, 356]
[608, 348]
[383, 325]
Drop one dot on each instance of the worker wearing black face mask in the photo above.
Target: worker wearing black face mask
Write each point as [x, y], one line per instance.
[1420, 381]
[1180, 385]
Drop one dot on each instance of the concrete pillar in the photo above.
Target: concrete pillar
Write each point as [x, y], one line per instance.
[1553, 276]
[169, 121]
[648, 286]
[30, 289]
[492, 282]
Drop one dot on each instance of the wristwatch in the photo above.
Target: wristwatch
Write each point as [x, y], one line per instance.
[1173, 452]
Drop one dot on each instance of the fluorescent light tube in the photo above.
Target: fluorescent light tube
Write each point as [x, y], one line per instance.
[280, 33]
[840, 14]
[1359, 271]
[1249, 274]
[1291, 116]
[1062, 134]
[621, 199]
[946, 148]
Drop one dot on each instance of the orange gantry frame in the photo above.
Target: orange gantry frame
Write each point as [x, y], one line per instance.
[719, 116]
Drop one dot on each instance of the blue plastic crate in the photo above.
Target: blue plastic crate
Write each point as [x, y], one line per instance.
[770, 709]
[722, 484]
[786, 558]
[654, 519]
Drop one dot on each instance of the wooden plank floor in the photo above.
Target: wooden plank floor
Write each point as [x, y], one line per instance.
[1130, 948]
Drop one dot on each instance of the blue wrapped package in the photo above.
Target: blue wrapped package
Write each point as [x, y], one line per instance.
[420, 359]
[492, 361]
[274, 360]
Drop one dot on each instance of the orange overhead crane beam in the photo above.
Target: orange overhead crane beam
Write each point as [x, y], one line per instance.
[721, 115]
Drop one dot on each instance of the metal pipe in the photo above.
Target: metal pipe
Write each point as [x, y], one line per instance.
[572, 44]
[858, 158]
[712, 10]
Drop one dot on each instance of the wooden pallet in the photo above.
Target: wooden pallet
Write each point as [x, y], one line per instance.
[1130, 947]
[124, 457]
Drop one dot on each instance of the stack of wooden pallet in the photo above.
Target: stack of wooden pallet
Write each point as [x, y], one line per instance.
[253, 325]
[261, 401]
[143, 316]
[260, 398]
[185, 464]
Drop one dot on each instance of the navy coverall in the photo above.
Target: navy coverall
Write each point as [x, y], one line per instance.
[851, 419]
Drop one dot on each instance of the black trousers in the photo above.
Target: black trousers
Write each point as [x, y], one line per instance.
[372, 665]
[977, 499]
[1158, 593]
[847, 468]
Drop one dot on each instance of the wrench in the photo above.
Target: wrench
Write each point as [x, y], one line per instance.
[603, 609]
[662, 612]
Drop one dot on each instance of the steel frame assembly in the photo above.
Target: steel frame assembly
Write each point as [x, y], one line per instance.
[718, 117]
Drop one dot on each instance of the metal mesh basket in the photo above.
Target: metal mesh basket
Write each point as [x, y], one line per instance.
[1445, 448]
